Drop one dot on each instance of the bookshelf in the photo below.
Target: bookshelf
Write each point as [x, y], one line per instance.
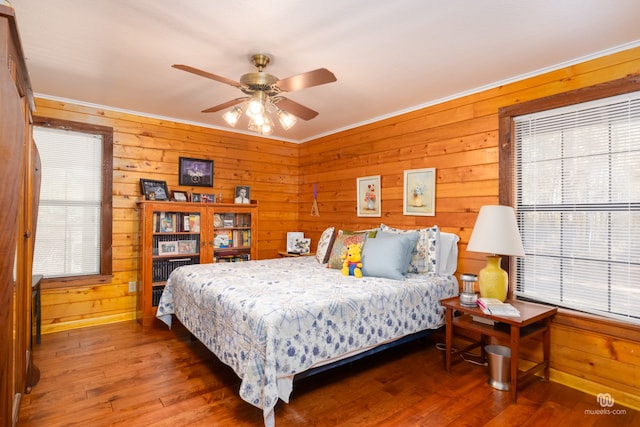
[174, 234]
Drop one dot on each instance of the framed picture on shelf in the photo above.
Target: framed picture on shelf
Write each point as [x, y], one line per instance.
[304, 245]
[154, 190]
[208, 198]
[419, 192]
[368, 193]
[167, 248]
[243, 194]
[294, 239]
[180, 196]
[187, 246]
[196, 172]
[196, 197]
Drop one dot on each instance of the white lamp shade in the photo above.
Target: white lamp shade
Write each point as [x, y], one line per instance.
[496, 232]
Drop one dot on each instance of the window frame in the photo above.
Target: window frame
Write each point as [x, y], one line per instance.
[628, 84]
[106, 210]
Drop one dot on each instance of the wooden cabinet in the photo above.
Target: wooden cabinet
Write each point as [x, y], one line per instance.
[174, 234]
[18, 198]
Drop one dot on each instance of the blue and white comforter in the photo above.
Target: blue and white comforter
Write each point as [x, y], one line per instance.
[272, 319]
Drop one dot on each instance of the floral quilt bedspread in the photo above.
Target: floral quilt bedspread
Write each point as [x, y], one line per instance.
[272, 319]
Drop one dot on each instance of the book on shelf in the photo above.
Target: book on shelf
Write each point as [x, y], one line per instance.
[483, 320]
[495, 307]
[194, 223]
[166, 223]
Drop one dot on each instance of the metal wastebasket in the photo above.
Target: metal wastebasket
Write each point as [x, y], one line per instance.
[499, 359]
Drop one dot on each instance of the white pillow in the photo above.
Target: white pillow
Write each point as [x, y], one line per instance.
[447, 254]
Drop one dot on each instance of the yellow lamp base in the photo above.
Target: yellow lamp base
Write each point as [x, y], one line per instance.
[493, 280]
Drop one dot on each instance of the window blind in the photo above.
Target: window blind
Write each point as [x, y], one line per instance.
[577, 196]
[68, 232]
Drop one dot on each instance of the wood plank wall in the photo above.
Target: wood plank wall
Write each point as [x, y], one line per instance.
[458, 137]
[149, 148]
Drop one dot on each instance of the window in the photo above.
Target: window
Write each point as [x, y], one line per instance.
[576, 191]
[73, 235]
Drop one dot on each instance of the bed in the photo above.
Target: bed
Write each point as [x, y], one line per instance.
[272, 320]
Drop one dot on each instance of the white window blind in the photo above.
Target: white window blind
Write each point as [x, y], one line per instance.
[68, 230]
[577, 192]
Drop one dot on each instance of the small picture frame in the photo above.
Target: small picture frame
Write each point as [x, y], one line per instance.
[242, 194]
[167, 248]
[368, 193]
[304, 245]
[187, 246]
[196, 197]
[208, 198]
[154, 190]
[180, 196]
[420, 192]
[294, 239]
[195, 172]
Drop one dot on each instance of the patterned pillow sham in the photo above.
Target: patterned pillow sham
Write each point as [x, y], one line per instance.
[324, 245]
[424, 259]
[343, 239]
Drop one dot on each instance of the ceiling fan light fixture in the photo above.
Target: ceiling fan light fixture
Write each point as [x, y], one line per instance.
[232, 116]
[287, 120]
[256, 105]
[261, 124]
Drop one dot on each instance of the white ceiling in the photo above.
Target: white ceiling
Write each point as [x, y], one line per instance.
[389, 56]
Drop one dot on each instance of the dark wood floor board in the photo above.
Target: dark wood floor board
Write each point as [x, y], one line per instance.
[120, 375]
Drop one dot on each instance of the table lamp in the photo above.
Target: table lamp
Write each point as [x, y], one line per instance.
[495, 232]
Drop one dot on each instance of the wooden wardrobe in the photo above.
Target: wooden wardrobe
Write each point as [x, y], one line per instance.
[19, 195]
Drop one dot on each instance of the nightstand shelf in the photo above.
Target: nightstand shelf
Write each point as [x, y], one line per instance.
[534, 320]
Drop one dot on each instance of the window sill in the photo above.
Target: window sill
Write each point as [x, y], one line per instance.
[76, 281]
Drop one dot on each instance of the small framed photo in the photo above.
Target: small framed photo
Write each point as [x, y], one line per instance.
[196, 197]
[304, 245]
[420, 192]
[154, 190]
[195, 172]
[294, 241]
[208, 198]
[368, 189]
[243, 194]
[187, 246]
[180, 196]
[167, 248]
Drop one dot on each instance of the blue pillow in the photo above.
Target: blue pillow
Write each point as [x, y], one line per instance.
[388, 255]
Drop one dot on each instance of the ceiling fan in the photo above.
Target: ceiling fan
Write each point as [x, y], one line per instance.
[263, 92]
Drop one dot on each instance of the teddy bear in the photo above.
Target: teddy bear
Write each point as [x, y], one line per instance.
[351, 264]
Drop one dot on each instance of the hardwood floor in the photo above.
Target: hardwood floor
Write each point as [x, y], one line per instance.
[116, 375]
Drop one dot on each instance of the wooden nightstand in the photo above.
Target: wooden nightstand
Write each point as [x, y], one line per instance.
[534, 320]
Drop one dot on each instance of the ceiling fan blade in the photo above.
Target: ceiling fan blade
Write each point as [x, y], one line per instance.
[207, 75]
[225, 105]
[309, 79]
[296, 109]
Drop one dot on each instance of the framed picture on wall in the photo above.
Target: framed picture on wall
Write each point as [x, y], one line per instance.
[196, 172]
[420, 192]
[368, 190]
